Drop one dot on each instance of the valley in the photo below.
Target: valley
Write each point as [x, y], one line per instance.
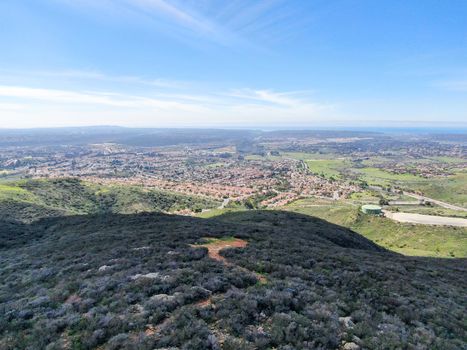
[258, 241]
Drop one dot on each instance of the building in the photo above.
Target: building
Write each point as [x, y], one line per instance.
[372, 209]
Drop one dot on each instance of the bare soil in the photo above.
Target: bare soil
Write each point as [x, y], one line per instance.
[215, 247]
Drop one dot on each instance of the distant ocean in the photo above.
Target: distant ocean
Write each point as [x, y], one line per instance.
[409, 130]
[387, 130]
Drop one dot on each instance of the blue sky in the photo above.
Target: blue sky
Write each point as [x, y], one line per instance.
[238, 63]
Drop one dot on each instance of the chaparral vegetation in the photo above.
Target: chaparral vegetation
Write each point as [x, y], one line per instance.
[146, 281]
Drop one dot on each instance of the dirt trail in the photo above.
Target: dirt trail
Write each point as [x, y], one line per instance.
[216, 245]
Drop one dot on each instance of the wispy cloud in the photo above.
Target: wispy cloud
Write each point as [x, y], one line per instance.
[93, 98]
[238, 108]
[178, 14]
[223, 22]
[286, 99]
[97, 75]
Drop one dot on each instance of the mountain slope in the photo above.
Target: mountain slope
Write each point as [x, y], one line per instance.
[28, 200]
[139, 282]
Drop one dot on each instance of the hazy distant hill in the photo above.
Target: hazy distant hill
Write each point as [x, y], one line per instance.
[135, 282]
[145, 137]
[152, 137]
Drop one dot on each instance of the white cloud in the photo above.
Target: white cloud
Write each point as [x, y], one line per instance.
[10, 106]
[93, 98]
[244, 107]
[288, 99]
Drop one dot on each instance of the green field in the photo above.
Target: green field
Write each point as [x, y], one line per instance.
[308, 156]
[451, 189]
[377, 176]
[408, 239]
[327, 167]
[14, 192]
[215, 165]
[216, 212]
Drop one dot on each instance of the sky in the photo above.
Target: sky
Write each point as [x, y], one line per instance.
[237, 63]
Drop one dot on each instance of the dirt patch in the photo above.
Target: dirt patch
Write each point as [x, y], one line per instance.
[155, 330]
[73, 299]
[216, 245]
[150, 330]
[422, 219]
[204, 303]
[262, 279]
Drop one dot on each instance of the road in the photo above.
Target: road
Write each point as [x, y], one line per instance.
[425, 219]
[435, 201]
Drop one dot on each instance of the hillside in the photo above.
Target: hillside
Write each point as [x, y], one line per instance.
[146, 281]
[28, 200]
[404, 238]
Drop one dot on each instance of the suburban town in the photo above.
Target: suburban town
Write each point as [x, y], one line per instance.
[275, 169]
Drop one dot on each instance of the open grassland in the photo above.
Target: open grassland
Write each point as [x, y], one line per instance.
[14, 192]
[452, 189]
[215, 165]
[453, 160]
[409, 239]
[216, 212]
[308, 156]
[260, 157]
[375, 176]
[328, 167]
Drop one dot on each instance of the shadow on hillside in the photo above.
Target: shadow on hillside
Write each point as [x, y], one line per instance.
[252, 224]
